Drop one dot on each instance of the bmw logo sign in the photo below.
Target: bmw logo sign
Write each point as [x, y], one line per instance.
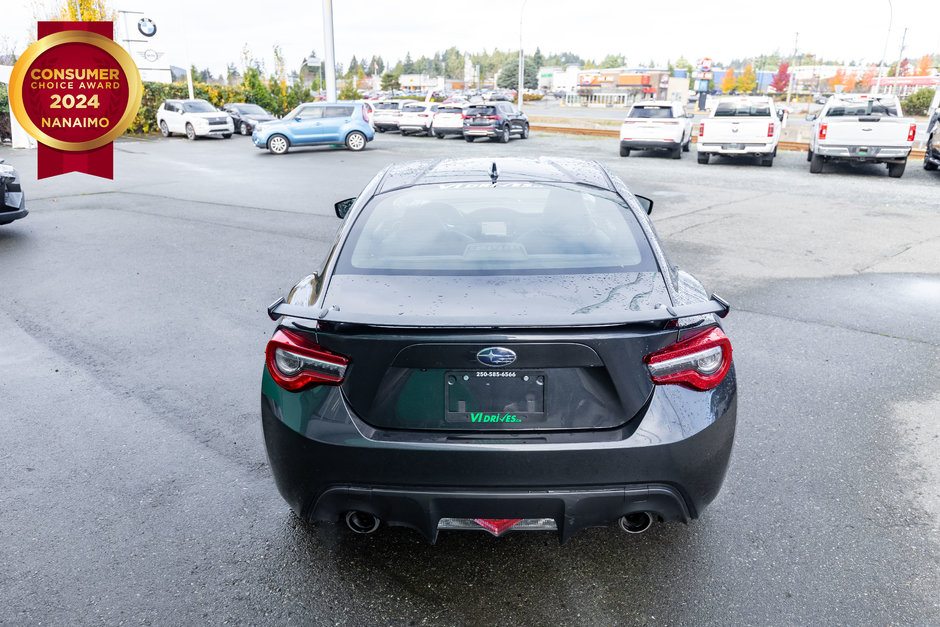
[146, 27]
[496, 356]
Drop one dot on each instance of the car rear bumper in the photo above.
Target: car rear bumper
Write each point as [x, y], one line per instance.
[864, 153]
[649, 144]
[672, 464]
[481, 131]
[737, 149]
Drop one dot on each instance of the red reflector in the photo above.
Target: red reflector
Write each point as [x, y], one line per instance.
[823, 129]
[699, 362]
[701, 129]
[497, 526]
[770, 130]
[911, 132]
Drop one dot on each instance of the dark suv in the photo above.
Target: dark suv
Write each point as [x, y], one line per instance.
[496, 120]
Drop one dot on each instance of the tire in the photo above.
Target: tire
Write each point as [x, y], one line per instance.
[816, 164]
[928, 164]
[380, 129]
[624, 152]
[703, 157]
[767, 160]
[278, 144]
[226, 136]
[468, 138]
[356, 141]
[896, 170]
[525, 132]
[165, 129]
[190, 132]
[504, 136]
[809, 154]
[687, 146]
[677, 152]
[439, 135]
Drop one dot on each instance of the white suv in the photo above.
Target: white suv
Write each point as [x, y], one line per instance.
[194, 118]
[656, 125]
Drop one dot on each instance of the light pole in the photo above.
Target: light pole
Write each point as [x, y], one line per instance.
[330, 69]
[884, 53]
[792, 69]
[521, 59]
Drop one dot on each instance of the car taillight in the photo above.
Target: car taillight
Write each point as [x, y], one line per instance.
[823, 129]
[701, 129]
[770, 130]
[911, 132]
[296, 362]
[699, 362]
[365, 114]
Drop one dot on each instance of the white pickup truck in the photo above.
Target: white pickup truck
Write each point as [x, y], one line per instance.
[861, 128]
[741, 126]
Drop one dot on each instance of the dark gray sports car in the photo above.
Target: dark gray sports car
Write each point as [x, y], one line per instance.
[498, 345]
[12, 199]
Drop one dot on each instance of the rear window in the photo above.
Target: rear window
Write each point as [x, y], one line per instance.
[450, 110]
[875, 107]
[481, 111]
[742, 109]
[507, 228]
[651, 112]
[386, 105]
[413, 108]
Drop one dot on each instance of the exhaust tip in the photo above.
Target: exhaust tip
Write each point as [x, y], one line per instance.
[362, 522]
[637, 522]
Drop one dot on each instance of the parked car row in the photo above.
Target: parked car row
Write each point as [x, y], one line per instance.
[855, 128]
[498, 120]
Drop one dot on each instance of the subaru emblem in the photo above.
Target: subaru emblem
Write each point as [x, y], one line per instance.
[496, 356]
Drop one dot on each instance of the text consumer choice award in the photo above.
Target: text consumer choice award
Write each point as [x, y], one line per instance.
[75, 91]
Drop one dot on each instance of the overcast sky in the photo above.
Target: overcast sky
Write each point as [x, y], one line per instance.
[212, 34]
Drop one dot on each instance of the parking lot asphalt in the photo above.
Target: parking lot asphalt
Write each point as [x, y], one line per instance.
[134, 487]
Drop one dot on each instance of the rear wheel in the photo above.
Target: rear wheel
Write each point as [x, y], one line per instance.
[226, 136]
[687, 146]
[190, 132]
[468, 138]
[703, 157]
[380, 129]
[895, 170]
[809, 154]
[767, 160]
[816, 164]
[624, 152]
[355, 141]
[242, 128]
[165, 129]
[677, 152]
[928, 164]
[278, 144]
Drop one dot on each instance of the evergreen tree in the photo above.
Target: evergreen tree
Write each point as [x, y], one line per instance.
[537, 59]
[353, 67]
[509, 76]
[408, 67]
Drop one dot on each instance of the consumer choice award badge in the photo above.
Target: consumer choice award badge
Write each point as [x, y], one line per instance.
[75, 91]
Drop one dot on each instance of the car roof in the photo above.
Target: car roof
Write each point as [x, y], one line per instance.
[513, 169]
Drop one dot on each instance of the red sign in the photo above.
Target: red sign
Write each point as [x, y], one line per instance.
[75, 91]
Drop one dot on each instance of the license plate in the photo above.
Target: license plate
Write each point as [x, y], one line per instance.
[494, 398]
[732, 147]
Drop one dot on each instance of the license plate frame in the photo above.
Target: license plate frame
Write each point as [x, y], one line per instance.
[494, 398]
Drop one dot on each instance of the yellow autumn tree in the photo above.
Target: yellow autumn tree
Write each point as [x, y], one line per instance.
[86, 11]
[837, 79]
[728, 83]
[851, 81]
[747, 82]
[923, 65]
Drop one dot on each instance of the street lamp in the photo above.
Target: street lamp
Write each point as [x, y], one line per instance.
[521, 60]
[884, 53]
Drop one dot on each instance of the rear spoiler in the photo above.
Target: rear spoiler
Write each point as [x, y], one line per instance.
[662, 313]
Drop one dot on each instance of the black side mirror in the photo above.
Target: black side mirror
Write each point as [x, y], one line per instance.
[646, 203]
[342, 207]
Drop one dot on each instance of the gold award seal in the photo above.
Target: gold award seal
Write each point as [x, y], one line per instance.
[75, 90]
